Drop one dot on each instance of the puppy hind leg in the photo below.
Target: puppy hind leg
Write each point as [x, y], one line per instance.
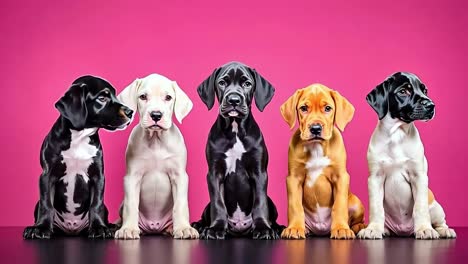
[273, 215]
[438, 221]
[204, 222]
[356, 213]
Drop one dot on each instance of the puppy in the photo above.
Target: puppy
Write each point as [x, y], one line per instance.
[237, 157]
[319, 200]
[156, 183]
[400, 202]
[71, 185]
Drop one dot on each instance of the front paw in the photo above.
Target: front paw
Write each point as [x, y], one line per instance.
[100, 232]
[371, 232]
[37, 232]
[265, 233]
[342, 233]
[213, 233]
[426, 233]
[187, 232]
[293, 232]
[128, 233]
[446, 232]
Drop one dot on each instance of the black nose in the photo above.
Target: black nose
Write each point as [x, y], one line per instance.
[427, 103]
[128, 112]
[234, 99]
[156, 115]
[316, 129]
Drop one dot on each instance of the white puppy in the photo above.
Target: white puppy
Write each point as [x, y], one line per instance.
[400, 202]
[156, 183]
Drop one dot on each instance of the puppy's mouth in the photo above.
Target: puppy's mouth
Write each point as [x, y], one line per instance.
[316, 139]
[235, 112]
[155, 127]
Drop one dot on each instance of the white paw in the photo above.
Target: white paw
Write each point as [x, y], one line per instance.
[371, 233]
[128, 233]
[446, 232]
[427, 233]
[187, 232]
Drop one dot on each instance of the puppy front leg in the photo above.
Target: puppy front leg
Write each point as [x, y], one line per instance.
[422, 220]
[261, 225]
[130, 229]
[44, 218]
[218, 212]
[98, 213]
[180, 212]
[296, 217]
[340, 217]
[376, 227]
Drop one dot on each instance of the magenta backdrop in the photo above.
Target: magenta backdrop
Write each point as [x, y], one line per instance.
[348, 47]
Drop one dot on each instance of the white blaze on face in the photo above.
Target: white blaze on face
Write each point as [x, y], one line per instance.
[235, 153]
[316, 163]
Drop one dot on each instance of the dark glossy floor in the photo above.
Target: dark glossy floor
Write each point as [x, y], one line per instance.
[13, 249]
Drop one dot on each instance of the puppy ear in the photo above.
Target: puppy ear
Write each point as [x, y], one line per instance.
[344, 111]
[72, 105]
[182, 105]
[264, 91]
[206, 90]
[129, 95]
[378, 98]
[289, 108]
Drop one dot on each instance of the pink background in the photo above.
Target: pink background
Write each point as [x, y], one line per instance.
[348, 47]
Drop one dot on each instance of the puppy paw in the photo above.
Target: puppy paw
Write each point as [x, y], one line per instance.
[213, 233]
[446, 232]
[293, 233]
[264, 233]
[371, 232]
[102, 232]
[185, 233]
[128, 233]
[358, 227]
[426, 233]
[37, 232]
[342, 233]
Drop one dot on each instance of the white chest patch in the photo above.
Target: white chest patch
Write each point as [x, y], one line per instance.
[316, 163]
[239, 222]
[233, 155]
[77, 160]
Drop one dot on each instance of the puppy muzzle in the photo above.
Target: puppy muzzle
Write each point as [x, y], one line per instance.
[234, 105]
[425, 110]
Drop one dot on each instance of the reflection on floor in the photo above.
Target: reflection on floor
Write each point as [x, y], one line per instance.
[156, 249]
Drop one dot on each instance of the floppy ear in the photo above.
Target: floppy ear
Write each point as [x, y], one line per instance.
[344, 111]
[206, 90]
[129, 97]
[378, 98]
[72, 105]
[288, 108]
[182, 105]
[264, 91]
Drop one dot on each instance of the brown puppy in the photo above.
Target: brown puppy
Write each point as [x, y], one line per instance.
[318, 183]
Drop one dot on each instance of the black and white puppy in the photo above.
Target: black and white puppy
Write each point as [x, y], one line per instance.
[71, 186]
[237, 157]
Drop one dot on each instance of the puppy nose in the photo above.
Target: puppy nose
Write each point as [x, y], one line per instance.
[156, 115]
[427, 103]
[128, 112]
[316, 129]
[234, 99]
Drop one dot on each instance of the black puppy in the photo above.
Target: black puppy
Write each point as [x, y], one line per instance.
[403, 96]
[237, 157]
[71, 185]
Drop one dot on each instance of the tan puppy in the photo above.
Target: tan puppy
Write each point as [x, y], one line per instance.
[319, 201]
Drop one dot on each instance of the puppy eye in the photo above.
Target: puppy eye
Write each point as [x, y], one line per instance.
[303, 108]
[404, 92]
[168, 98]
[328, 108]
[143, 97]
[102, 98]
[247, 84]
[222, 83]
